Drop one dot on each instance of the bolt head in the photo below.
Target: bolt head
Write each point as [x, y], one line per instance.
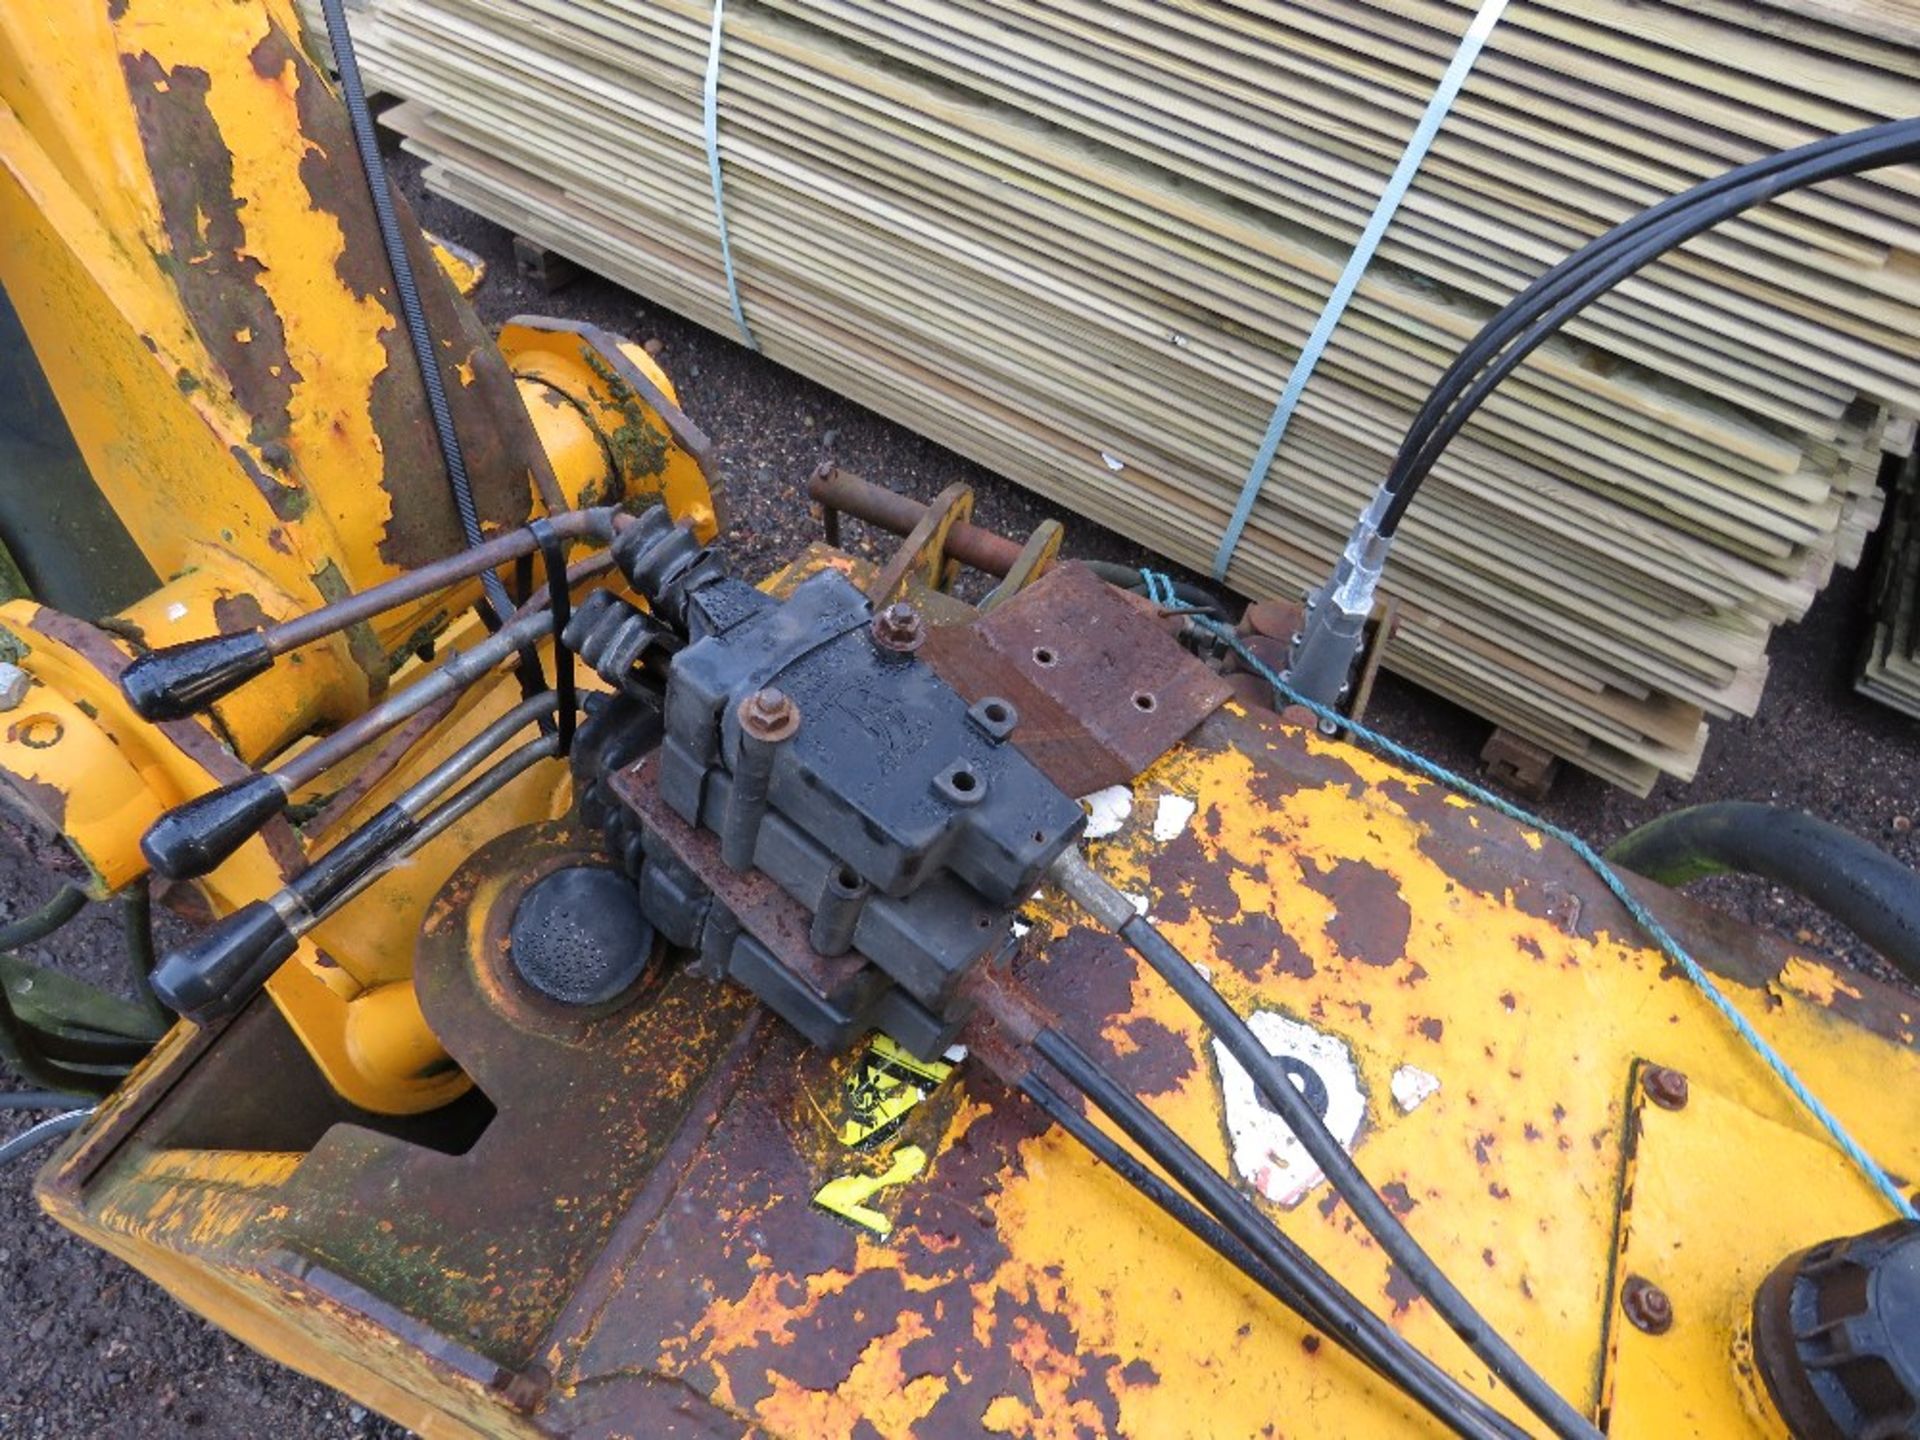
[14, 683]
[1665, 1087]
[769, 714]
[899, 627]
[1647, 1306]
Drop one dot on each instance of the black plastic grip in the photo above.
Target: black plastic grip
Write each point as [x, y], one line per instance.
[176, 681]
[192, 839]
[218, 973]
[329, 877]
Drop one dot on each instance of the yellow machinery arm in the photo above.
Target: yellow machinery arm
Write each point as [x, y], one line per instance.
[191, 248]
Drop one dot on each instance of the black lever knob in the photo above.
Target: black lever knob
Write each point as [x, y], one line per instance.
[218, 973]
[192, 839]
[176, 681]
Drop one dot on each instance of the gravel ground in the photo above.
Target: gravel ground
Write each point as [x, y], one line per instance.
[89, 1349]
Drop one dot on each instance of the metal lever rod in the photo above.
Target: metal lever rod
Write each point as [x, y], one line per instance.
[192, 839]
[221, 970]
[176, 681]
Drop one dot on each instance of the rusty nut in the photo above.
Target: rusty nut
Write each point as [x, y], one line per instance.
[899, 627]
[1665, 1087]
[769, 715]
[1646, 1305]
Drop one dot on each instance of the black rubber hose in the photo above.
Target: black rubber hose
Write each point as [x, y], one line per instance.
[1612, 258]
[1855, 882]
[67, 902]
[1126, 577]
[1368, 1204]
[1526, 307]
[1351, 1324]
[393, 238]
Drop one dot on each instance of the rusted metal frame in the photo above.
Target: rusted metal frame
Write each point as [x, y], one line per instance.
[1102, 687]
[839, 492]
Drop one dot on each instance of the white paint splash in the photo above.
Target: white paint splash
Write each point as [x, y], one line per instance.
[1412, 1087]
[1172, 817]
[1265, 1151]
[1107, 810]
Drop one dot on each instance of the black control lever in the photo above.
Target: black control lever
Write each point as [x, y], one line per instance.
[217, 973]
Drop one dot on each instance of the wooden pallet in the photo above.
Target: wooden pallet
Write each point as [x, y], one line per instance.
[1082, 243]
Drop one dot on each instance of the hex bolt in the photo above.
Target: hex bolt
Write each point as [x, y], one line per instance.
[1646, 1305]
[769, 715]
[767, 718]
[899, 627]
[1665, 1086]
[13, 686]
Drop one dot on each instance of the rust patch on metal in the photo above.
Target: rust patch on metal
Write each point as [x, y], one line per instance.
[1257, 942]
[207, 262]
[1101, 687]
[237, 613]
[1371, 919]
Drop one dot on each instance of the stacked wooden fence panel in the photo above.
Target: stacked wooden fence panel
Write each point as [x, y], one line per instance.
[1083, 242]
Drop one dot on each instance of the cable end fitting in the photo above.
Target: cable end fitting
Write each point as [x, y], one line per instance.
[1090, 890]
[1320, 664]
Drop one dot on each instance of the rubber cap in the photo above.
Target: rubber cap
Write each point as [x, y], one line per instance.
[218, 973]
[192, 839]
[578, 935]
[176, 681]
[1836, 1330]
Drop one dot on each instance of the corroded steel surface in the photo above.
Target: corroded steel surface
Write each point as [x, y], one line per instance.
[1101, 686]
[1024, 1290]
[689, 1283]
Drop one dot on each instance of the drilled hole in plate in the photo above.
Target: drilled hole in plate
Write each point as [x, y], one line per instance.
[964, 781]
[995, 712]
[1145, 702]
[846, 879]
[1042, 655]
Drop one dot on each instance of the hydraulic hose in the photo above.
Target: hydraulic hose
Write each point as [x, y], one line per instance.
[1226, 1220]
[1855, 882]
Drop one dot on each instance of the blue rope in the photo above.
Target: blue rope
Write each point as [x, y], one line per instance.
[1355, 269]
[1160, 591]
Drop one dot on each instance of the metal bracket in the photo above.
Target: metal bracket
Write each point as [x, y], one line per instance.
[1036, 558]
[924, 551]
